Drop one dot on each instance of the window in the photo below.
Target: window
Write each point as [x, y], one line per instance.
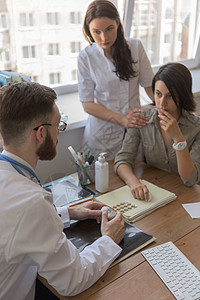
[75, 47]
[175, 25]
[144, 15]
[26, 19]
[144, 40]
[169, 30]
[75, 17]
[54, 49]
[3, 21]
[169, 14]
[4, 55]
[54, 78]
[57, 33]
[35, 78]
[74, 75]
[52, 18]
[28, 51]
[167, 38]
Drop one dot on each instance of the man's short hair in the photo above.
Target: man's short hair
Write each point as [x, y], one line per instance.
[22, 105]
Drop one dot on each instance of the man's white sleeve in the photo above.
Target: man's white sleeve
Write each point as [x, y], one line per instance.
[64, 215]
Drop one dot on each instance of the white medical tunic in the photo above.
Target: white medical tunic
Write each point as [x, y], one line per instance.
[98, 83]
[32, 241]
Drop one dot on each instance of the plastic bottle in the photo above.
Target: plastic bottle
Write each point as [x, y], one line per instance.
[101, 174]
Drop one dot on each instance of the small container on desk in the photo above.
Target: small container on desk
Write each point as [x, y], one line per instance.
[86, 174]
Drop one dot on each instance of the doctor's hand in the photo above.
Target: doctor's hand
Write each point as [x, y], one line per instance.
[88, 210]
[135, 119]
[140, 191]
[114, 228]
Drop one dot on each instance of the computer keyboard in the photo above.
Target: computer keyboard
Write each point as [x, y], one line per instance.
[180, 276]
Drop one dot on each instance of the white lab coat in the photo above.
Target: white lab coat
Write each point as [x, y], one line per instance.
[32, 241]
[98, 83]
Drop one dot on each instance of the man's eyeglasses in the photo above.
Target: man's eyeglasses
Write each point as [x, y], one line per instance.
[61, 127]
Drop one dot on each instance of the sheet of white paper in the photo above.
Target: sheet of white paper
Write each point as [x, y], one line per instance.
[193, 209]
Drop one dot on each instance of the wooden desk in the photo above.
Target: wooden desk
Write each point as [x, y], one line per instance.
[133, 278]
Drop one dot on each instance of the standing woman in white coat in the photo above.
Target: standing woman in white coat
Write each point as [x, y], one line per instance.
[110, 71]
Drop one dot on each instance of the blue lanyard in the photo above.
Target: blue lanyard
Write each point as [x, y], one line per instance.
[15, 163]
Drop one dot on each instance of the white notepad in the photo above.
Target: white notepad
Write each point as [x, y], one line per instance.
[134, 209]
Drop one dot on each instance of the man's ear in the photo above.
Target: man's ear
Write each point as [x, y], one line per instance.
[40, 134]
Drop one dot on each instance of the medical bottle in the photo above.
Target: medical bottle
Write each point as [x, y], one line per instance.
[101, 174]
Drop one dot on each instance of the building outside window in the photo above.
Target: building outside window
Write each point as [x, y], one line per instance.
[54, 78]
[28, 51]
[75, 17]
[52, 18]
[155, 22]
[26, 19]
[54, 49]
[168, 29]
[3, 21]
[176, 21]
[74, 75]
[4, 55]
[75, 47]
[34, 78]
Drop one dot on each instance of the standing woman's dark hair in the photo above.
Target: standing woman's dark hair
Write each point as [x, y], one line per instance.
[178, 80]
[121, 54]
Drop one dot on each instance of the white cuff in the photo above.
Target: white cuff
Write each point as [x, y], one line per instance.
[64, 214]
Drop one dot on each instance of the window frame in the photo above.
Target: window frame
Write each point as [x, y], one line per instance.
[3, 20]
[75, 17]
[52, 18]
[127, 22]
[55, 76]
[75, 47]
[53, 49]
[31, 50]
[28, 18]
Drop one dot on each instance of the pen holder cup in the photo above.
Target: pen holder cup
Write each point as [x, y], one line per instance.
[86, 175]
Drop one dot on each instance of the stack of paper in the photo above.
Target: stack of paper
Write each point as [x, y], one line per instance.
[134, 209]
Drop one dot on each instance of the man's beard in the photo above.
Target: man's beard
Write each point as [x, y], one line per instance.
[47, 151]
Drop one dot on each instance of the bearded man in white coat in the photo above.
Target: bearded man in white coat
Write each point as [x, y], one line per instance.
[32, 239]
